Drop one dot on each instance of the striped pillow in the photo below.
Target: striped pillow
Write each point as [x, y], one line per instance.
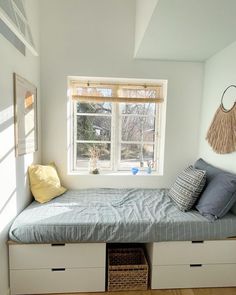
[187, 187]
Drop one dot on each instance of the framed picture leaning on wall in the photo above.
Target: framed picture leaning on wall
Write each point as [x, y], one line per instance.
[25, 109]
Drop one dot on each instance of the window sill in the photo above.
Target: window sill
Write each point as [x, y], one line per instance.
[110, 173]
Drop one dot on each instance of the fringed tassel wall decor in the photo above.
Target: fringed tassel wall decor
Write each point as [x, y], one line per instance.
[221, 134]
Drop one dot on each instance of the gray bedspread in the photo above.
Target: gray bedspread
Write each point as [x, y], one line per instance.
[115, 215]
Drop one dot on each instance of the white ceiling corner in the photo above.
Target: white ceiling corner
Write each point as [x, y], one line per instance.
[144, 11]
[185, 30]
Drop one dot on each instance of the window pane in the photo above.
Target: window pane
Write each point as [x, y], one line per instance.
[20, 6]
[93, 128]
[94, 91]
[21, 24]
[9, 10]
[138, 108]
[104, 108]
[83, 155]
[145, 93]
[136, 155]
[136, 128]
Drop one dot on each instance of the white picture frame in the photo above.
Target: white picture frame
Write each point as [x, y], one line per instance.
[25, 115]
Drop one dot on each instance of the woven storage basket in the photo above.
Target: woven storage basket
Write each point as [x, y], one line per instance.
[127, 269]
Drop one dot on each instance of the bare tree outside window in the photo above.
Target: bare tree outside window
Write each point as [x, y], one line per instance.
[137, 133]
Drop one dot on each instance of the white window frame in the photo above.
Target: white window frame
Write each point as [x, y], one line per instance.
[116, 141]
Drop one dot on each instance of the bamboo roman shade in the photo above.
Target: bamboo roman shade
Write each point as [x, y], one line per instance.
[109, 92]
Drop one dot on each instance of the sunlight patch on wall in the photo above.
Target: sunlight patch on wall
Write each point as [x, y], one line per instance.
[8, 211]
[7, 159]
[7, 133]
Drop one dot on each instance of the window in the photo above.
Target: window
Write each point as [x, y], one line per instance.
[13, 15]
[120, 123]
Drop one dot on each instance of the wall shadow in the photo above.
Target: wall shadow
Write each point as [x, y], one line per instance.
[7, 201]
[6, 124]
[6, 155]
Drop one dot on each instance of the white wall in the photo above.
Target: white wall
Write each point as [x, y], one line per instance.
[220, 72]
[14, 186]
[96, 38]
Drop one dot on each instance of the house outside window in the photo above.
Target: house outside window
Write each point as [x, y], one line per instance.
[117, 123]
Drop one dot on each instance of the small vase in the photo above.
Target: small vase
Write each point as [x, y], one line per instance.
[93, 166]
[149, 170]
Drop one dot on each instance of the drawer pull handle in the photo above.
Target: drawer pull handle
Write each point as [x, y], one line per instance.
[197, 242]
[195, 265]
[58, 245]
[58, 269]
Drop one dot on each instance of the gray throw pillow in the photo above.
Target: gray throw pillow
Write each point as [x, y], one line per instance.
[233, 209]
[187, 188]
[218, 197]
[211, 172]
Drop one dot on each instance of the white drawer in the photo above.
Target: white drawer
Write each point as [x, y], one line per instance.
[35, 256]
[184, 276]
[48, 281]
[207, 252]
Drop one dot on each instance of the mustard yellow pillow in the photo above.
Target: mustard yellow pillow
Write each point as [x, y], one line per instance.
[44, 182]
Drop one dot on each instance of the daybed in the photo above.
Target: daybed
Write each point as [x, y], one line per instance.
[115, 215]
[60, 246]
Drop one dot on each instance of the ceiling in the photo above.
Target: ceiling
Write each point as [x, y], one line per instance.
[184, 30]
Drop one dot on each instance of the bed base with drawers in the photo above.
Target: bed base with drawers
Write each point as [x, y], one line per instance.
[81, 267]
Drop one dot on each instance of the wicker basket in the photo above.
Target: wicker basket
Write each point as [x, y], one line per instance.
[127, 269]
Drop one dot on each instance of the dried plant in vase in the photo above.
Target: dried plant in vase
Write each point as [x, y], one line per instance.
[94, 153]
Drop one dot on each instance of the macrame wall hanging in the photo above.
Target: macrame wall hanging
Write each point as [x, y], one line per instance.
[221, 134]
